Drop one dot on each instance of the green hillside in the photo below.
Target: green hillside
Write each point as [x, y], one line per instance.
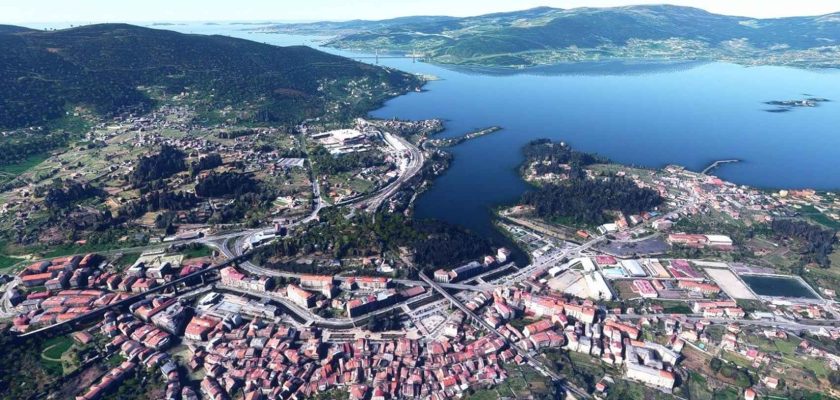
[549, 35]
[104, 67]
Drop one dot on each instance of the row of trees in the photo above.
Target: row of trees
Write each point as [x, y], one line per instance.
[236, 133]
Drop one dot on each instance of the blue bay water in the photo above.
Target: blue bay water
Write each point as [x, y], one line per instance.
[648, 115]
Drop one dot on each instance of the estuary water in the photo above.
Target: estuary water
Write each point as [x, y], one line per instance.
[650, 115]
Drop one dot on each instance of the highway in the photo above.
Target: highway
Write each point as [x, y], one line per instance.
[413, 164]
[534, 362]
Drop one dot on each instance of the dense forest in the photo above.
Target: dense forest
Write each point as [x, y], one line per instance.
[157, 200]
[579, 200]
[42, 73]
[586, 201]
[817, 242]
[65, 193]
[434, 243]
[236, 133]
[226, 184]
[25, 372]
[549, 156]
[167, 162]
[328, 164]
[209, 161]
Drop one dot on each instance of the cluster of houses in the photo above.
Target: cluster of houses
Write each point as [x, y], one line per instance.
[44, 308]
[560, 323]
[703, 194]
[472, 268]
[719, 309]
[270, 361]
[365, 294]
[65, 288]
[141, 344]
[60, 273]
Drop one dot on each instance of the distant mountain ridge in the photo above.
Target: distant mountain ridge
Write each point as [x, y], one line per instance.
[102, 67]
[549, 35]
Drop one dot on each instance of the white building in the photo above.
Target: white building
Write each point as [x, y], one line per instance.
[598, 288]
[633, 268]
[719, 240]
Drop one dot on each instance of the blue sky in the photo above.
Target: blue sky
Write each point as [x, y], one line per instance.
[33, 11]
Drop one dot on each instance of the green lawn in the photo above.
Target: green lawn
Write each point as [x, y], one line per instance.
[51, 356]
[835, 258]
[69, 249]
[7, 262]
[483, 394]
[736, 359]
[786, 347]
[198, 252]
[728, 394]
[127, 260]
[55, 347]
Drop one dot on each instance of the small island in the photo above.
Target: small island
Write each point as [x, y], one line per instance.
[788, 105]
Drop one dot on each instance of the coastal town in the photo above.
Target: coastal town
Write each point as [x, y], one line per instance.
[613, 296]
[193, 216]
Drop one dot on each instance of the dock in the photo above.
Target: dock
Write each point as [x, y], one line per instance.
[716, 164]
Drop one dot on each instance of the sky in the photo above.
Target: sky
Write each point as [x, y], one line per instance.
[84, 11]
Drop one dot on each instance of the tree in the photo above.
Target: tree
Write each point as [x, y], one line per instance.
[715, 364]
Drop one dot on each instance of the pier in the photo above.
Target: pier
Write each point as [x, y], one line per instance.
[716, 164]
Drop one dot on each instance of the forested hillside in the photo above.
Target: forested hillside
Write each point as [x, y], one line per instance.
[102, 67]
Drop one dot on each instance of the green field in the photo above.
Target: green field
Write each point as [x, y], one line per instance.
[23, 166]
[7, 262]
[811, 213]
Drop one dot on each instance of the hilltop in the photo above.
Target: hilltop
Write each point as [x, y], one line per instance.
[107, 68]
[550, 35]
